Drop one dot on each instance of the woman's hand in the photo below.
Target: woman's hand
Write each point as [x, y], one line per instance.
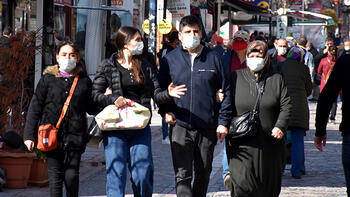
[120, 102]
[220, 96]
[108, 91]
[277, 133]
[176, 91]
[29, 144]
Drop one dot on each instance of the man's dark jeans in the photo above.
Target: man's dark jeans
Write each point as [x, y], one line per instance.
[63, 167]
[346, 160]
[192, 147]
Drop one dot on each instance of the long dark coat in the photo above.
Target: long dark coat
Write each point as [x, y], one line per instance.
[256, 163]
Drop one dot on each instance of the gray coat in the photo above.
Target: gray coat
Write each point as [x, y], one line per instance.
[299, 85]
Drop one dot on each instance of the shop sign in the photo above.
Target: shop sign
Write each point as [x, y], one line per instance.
[282, 26]
[164, 26]
[63, 2]
[176, 10]
[145, 26]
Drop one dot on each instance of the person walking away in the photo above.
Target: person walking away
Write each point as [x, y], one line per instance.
[346, 47]
[298, 82]
[233, 60]
[338, 80]
[325, 69]
[127, 75]
[197, 120]
[45, 108]
[256, 162]
[308, 58]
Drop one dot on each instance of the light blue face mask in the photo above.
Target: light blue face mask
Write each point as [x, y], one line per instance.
[138, 48]
[191, 42]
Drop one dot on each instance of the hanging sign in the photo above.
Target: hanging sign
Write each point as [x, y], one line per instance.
[176, 10]
[164, 26]
[145, 26]
[282, 26]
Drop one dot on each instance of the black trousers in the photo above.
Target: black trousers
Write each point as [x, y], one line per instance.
[192, 148]
[63, 167]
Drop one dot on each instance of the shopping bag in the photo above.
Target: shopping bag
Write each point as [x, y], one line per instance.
[130, 117]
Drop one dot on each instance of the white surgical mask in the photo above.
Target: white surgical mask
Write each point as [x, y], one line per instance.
[255, 64]
[281, 50]
[190, 42]
[346, 48]
[66, 65]
[138, 48]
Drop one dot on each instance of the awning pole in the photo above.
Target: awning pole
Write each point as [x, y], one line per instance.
[229, 23]
[218, 19]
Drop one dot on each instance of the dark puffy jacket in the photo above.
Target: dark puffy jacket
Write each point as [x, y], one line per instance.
[198, 108]
[46, 106]
[108, 75]
[299, 85]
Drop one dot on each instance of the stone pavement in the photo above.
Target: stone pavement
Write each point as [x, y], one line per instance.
[324, 173]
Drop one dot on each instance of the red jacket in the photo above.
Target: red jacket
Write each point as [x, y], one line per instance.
[324, 69]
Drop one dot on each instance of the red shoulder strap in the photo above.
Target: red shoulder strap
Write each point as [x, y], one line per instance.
[66, 104]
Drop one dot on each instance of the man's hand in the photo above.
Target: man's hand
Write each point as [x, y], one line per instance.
[319, 141]
[170, 118]
[176, 91]
[277, 133]
[220, 96]
[29, 144]
[120, 102]
[221, 132]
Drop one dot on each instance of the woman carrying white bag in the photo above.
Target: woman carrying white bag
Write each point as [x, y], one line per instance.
[127, 75]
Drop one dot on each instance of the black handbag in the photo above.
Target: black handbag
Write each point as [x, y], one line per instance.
[246, 124]
[95, 135]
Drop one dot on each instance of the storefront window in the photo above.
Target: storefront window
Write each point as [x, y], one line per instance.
[59, 20]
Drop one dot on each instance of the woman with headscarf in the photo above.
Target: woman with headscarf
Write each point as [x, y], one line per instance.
[256, 162]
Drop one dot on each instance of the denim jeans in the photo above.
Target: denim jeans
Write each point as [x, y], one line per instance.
[164, 129]
[192, 148]
[346, 160]
[63, 167]
[134, 148]
[225, 168]
[298, 154]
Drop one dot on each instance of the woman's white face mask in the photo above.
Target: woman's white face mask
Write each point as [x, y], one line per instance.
[255, 64]
[138, 48]
[66, 64]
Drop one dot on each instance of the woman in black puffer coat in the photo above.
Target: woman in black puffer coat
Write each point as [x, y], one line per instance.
[45, 108]
[127, 75]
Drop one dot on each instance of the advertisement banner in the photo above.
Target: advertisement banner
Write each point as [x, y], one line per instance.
[282, 26]
[262, 3]
[126, 18]
[177, 9]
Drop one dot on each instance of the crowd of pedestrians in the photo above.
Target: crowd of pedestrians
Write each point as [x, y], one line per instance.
[198, 90]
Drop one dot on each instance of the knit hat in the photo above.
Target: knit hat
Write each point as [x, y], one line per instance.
[296, 53]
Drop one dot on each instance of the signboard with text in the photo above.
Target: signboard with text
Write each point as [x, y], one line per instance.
[282, 26]
[177, 9]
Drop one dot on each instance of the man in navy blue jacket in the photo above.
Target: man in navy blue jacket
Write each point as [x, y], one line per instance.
[197, 119]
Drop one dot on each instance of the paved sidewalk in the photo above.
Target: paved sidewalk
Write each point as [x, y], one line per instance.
[324, 173]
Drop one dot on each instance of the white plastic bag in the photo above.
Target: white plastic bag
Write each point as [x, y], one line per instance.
[130, 117]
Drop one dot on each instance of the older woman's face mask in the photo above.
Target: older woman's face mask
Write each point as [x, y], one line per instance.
[255, 61]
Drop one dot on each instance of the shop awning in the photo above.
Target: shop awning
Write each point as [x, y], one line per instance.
[105, 8]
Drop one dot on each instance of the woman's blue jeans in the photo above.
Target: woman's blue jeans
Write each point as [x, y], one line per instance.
[346, 160]
[165, 129]
[132, 147]
[225, 168]
[298, 154]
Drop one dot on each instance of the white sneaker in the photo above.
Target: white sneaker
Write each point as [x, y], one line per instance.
[166, 140]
